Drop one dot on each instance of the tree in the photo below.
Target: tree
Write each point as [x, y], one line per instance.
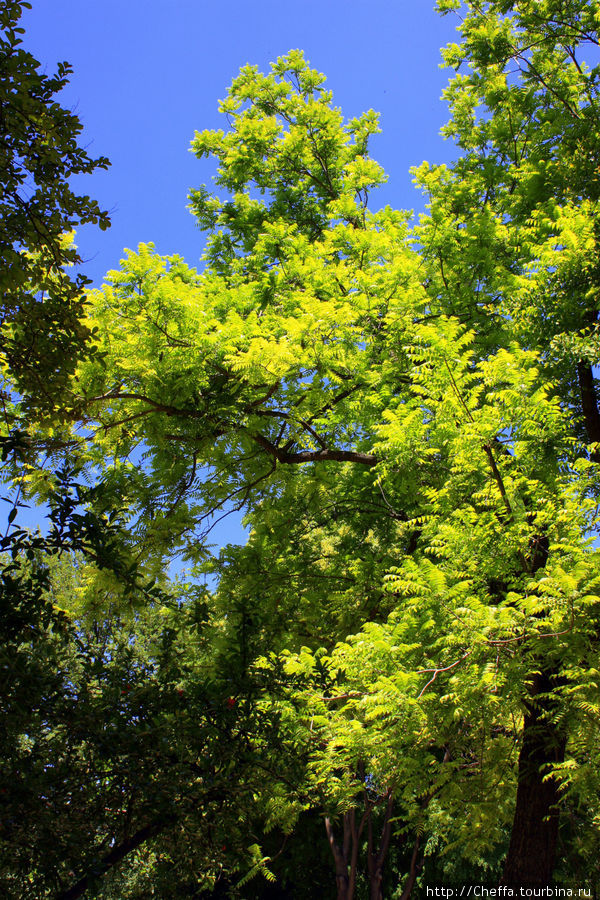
[42, 302]
[128, 757]
[406, 420]
[519, 260]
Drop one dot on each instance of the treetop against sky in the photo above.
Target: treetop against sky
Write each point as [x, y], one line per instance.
[409, 418]
[146, 78]
[143, 83]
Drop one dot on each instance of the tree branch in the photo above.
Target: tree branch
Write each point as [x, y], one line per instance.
[324, 455]
[114, 856]
[436, 672]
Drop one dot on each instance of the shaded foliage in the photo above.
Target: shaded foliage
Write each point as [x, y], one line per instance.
[42, 301]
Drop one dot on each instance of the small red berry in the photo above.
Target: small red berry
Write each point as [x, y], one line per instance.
[230, 702]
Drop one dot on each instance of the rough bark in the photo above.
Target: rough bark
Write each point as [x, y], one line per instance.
[532, 851]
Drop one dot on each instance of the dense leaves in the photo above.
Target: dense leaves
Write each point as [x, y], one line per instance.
[121, 733]
[42, 332]
[404, 651]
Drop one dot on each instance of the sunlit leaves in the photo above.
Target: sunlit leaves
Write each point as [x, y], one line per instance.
[398, 416]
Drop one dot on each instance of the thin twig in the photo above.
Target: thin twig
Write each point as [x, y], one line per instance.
[436, 672]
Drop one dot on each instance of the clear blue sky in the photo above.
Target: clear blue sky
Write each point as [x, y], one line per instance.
[148, 73]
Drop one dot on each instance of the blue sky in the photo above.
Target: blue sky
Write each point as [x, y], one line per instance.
[148, 73]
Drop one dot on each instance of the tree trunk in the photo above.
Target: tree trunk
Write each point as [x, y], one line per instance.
[376, 857]
[346, 856]
[589, 404]
[532, 851]
[376, 881]
[416, 865]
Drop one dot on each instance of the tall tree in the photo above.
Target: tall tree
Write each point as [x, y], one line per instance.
[511, 247]
[397, 414]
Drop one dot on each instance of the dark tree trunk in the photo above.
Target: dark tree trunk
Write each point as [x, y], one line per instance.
[376, 857]
[416, 866]
[346, 856]
[532, 851]
[589, 406]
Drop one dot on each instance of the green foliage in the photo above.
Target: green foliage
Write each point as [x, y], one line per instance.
[408, 419]
[42, 305]
[121, 733]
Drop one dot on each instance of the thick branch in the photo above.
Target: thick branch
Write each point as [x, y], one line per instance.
[324, 455]
[119, 852]
[386, 831]
[355, 836]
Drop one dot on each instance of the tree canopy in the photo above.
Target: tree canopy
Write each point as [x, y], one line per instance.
[402, 656]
